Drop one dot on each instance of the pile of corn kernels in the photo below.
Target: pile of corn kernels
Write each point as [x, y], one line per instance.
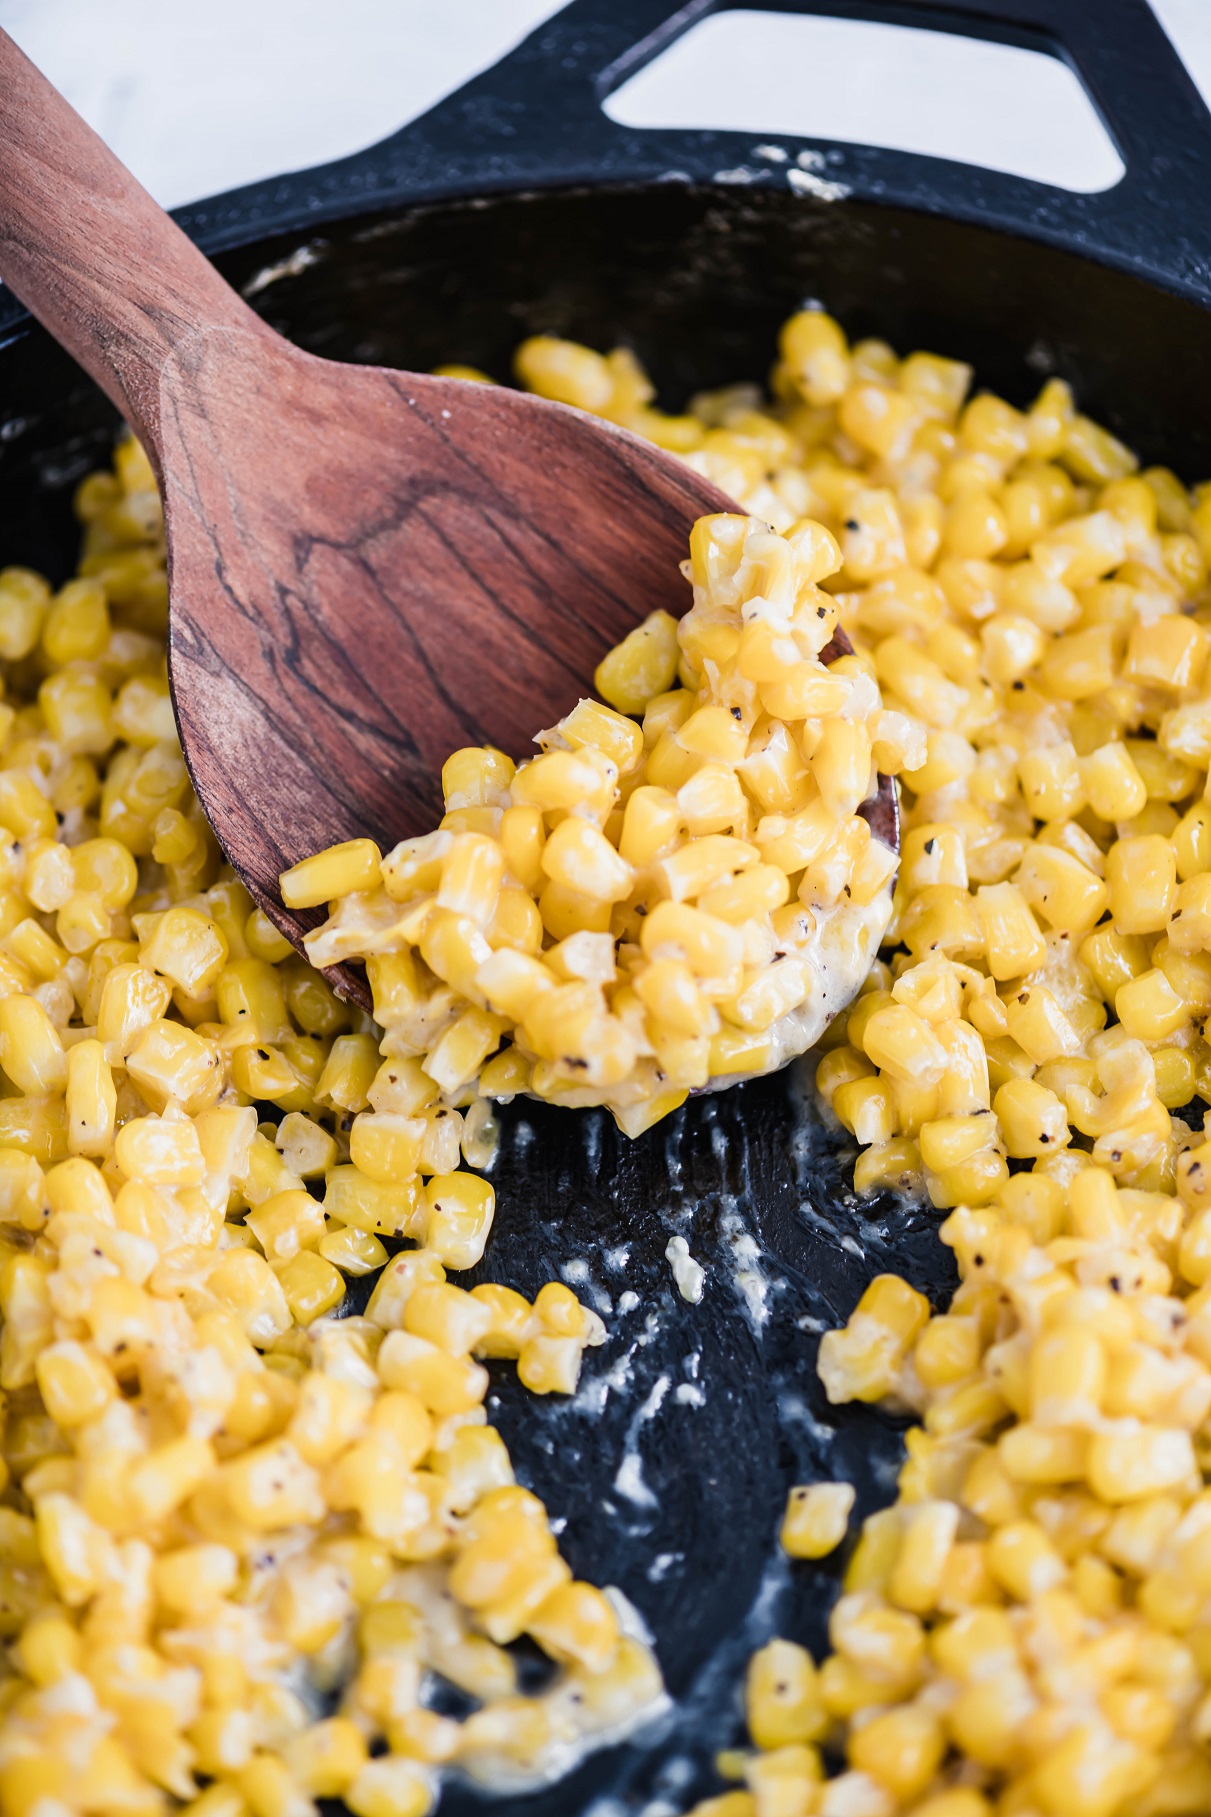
[240, 1538]
[1028, 1631]
[644, 909]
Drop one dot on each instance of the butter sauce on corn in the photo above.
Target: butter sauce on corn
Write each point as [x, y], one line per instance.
[222, 1508]
[678, 892]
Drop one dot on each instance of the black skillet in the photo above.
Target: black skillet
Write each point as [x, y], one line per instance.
[514, 207]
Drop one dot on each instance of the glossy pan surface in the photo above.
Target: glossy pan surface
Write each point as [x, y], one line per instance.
[513, 209]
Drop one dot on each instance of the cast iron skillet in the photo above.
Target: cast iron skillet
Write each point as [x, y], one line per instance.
[517, 206]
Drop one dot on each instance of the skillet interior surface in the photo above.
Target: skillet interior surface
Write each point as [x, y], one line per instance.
[671, 1465]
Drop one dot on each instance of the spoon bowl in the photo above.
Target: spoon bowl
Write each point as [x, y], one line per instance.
[370, 569]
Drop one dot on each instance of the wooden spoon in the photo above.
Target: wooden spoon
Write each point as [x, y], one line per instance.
[367, 568]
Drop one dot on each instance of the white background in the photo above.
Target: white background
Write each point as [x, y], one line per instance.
[199, 95]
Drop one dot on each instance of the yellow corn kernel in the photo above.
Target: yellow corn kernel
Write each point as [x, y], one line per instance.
[175, 840]
[390, 1787]
[448, 1317]
[312, 1286]
[1167, 771]
[756, 891]
[1190, 928]
[75, 1383]
[167, 1476]
[263, 939]
[49, 1649]
[900, 1749]
[579, 857]
[186, 947]
[816, 1518]
[104, 867]
[386, 1146]
[929, 1530]
[285, 1223]
[1035, 1020]
[576, 1624]
[841, 1066]
[902, 1044]
[1011, 936]
[192, 1578]
[462, 1050]
[33, 947]
[24, 598]
[1011, 646]
[270, 1791]
[31, 1051]
[1125, 1466]
[562, 780]
[1023, 1561]
[781, 1696]
[327, 1757]
[649, 827]
[709, 947]
[271, 1486]
[250, 995]
[860, 1362]
[511, 1320]
[1067, 894]
[443, 1383]
[1149, 1008]
[571, 374]
[711, 800]
[550, 1365]
[867, 1108]
[504, 1075]
[894, 1164]
[476, 777]
[841, 765]
[77, 708]
[878, 419]
[132, 997]
[333, 873]
[349, 1072]
[671, 994]
[143, 711]
[1141, 874]
[1171, 652]
[814, 350]
[24, 809]
[1032, 1120]
[1192, 840]
[472, 867]
[1051, 782]
[351, 1251]
[76, 627]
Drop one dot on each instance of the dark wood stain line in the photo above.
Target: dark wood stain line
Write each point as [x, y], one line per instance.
[635, 491]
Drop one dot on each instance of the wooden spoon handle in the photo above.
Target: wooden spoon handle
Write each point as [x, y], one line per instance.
[92, 255]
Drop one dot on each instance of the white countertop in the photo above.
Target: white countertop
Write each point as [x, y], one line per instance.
[199, 98]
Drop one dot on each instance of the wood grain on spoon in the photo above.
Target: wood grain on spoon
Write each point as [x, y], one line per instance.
[367, 568]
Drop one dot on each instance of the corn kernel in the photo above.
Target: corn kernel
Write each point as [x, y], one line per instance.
[816, 1519]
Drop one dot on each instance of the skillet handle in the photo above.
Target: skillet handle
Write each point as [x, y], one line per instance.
[536, 119]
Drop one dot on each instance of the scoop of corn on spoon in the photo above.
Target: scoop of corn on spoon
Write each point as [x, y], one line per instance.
[368, 568]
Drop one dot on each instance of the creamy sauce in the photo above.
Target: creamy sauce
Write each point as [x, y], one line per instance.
[689, 1275]
[840, 952]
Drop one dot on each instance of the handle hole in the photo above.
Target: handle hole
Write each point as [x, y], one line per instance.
[859, 81]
